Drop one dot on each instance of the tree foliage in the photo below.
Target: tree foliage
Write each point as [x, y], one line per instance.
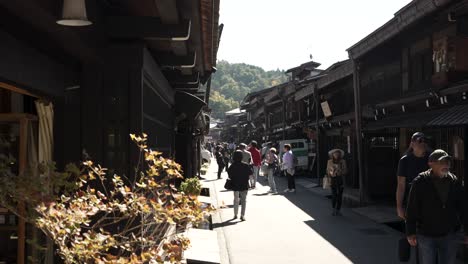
[233, 81]
[94, 217]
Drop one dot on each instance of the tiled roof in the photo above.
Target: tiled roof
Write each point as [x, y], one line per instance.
[457, 115]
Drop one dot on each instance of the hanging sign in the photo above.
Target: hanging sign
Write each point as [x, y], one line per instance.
[326, 109]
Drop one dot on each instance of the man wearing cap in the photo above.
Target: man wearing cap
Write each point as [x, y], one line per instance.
[409, 167]
[437, 209]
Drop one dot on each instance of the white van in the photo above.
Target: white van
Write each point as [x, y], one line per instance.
[301, 149]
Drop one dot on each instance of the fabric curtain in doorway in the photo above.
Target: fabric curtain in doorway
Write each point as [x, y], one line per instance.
[45, 113]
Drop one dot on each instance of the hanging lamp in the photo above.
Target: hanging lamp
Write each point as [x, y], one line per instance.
[74, 14]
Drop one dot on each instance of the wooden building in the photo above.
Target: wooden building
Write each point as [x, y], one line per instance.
[273, 113]
[330, 115]
[141, 66]
[234, 127]
[412, 73]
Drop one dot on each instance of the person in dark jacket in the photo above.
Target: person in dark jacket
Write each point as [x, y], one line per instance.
[220, 160]
[239, 173]
[410, 166]
[437, 209]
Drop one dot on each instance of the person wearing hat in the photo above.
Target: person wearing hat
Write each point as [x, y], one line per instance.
[271, 160]
[436, 211]
[410, 165]
[336, 170]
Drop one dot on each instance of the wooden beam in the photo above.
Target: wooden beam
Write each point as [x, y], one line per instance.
[167, 10]
[23, 151]
[16, 117]
[169, 14]
[185, 86]
[171, 60]
[179, 78]
[17, 89]
[147, 27]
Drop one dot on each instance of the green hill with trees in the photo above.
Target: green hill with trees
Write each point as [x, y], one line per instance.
[233, 81]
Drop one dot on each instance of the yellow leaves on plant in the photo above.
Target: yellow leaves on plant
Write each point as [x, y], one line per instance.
[141, 185]
[124, 221]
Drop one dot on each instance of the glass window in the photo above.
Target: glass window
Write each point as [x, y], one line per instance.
[296, 145]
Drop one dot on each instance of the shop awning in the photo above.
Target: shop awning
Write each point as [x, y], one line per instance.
[405, 120]
[188, 104]
[455, 116]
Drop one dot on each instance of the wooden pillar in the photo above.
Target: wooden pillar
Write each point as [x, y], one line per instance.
[284, 117]
[358, 124]
[267, 126]
[23, 150]
[317, 132]
[91, 112]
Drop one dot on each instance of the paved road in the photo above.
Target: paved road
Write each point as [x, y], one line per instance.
[297, 228]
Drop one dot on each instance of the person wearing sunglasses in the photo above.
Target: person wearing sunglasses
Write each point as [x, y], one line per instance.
[414, 162]
[410, 166]
[437, 209]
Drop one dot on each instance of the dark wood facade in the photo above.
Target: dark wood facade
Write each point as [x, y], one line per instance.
[409, 75]
[407, 82]
[121, 75]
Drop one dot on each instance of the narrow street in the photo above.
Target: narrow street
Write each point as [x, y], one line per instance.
[297, 228]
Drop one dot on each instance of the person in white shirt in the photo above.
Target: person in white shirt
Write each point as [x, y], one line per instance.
[271, 161]
[289, 168]
[246, 155]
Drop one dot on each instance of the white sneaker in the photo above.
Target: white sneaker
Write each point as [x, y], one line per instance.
[287, 190]
[293, 190]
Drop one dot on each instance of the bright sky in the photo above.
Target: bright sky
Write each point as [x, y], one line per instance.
[283, 33]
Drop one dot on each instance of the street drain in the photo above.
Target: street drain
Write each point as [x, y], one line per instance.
[372, 231]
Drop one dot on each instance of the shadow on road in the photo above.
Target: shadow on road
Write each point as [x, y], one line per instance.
[213, 180]
[226, 223]
[359, 239]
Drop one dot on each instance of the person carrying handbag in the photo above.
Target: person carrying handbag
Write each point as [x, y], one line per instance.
[271, 160]
[336, 170]
[239, 175]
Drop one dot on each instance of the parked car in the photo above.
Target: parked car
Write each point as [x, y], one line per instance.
[206, 156]
[301, 149]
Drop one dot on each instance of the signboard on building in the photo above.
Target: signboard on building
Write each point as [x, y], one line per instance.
[326, 109]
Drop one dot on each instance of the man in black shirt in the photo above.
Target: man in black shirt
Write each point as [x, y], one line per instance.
[437, 209]
[411, 164]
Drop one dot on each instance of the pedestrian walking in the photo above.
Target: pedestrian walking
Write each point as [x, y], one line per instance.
[336, 170]
[436, 211]
[289, 168]
[410, 166]
[220, 160]
[256, 163]
[271, 160]
[266, 149]
[226, 156]
[231, 147]
[239, 173]
[246, 156]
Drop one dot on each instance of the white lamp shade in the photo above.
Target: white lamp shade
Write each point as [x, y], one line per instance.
[74, 14]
